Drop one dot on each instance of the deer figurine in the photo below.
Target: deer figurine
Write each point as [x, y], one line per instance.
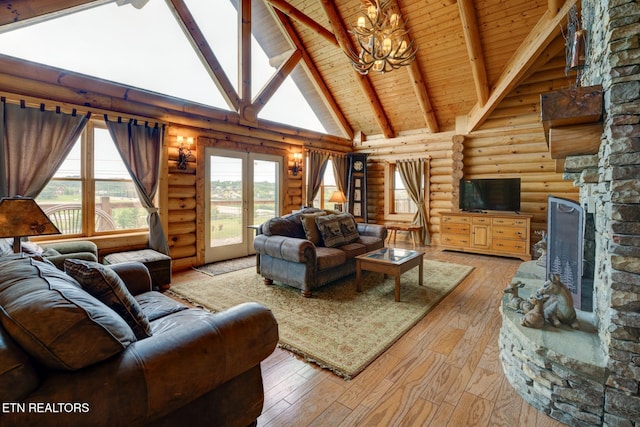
[559, 306]
[512, 290]
[540, 248]
[535, 317]
[516, 302]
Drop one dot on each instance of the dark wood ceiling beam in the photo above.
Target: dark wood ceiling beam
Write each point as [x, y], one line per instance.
[17, 13]
[365, 84]
[474, 49]
[527, 53]
[316, 77]
[296, 14]
[276, 81]
[202, 47]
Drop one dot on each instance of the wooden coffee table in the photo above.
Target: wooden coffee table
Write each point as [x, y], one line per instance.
[389, 261]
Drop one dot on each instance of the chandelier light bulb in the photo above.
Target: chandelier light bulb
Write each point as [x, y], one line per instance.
[386, 46]
[394, 20]
[372, 11]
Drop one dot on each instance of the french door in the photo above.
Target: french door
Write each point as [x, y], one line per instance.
[241, 189]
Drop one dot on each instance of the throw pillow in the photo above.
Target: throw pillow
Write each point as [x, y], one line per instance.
[349, 227]
[330, 230]
[310, 227]
[288, 225]
[105, 284]
[53, 319]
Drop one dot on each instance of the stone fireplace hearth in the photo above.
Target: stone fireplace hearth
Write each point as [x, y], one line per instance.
[592, 376]
[559, 371]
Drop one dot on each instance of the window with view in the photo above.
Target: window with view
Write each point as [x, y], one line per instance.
[92, 192]
[398, 204]
[402, 203]
[327, 188]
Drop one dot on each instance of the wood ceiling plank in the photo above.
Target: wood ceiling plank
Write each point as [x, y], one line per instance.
[419, 86]
[540, 36]
[501, 10]
[346, 45]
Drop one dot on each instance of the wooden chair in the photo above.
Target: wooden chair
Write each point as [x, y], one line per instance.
[68, 219]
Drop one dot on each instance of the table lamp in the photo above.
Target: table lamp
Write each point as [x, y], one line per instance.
[338, 198]
[22, 217]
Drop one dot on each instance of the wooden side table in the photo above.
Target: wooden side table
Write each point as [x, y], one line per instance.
[256, 228]
[412, 229]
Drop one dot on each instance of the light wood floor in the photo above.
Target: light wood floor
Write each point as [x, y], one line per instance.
[444, 372]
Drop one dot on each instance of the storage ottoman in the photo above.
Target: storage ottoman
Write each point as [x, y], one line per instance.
[159, 265]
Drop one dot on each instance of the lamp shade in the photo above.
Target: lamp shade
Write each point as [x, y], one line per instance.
[20, 217]
[338, 197]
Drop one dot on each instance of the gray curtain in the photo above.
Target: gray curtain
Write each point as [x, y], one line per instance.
[412, 175]
[340, 165]
[140, 147]
[33, 144]
[317, 166]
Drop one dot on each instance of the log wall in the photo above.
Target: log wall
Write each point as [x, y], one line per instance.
[185, 187]
[510, 143]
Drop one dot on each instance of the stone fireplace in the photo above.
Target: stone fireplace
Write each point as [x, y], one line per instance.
[592, 376]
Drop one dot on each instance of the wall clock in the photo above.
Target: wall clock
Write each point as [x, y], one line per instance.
[357, 186]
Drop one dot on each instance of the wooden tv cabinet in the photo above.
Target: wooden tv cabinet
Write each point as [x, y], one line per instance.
[493, 233]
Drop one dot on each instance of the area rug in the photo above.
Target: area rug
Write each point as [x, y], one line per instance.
[221, 267]
[337, 328]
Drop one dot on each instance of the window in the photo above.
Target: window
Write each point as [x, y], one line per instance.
[93, 182]
[327, 188]
[397, 202]
[401, 202]
[155, 27]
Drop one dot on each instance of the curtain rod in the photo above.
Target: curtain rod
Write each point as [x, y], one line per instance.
[334, 153]
[69, 108]
[410, 159]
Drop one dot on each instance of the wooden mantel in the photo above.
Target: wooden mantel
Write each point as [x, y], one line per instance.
[572, 120]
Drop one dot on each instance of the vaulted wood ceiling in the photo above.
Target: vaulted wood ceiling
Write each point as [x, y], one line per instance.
[471, 53]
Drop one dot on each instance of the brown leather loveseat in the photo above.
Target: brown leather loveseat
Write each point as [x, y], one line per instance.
[77, 351]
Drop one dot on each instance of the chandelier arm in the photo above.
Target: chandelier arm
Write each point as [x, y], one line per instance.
[383, 41]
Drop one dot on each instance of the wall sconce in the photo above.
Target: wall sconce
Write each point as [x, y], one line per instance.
[296, 168]
[184, 153]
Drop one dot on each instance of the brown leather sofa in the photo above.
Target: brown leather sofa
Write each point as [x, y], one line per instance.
[292, 253]
[68, 359]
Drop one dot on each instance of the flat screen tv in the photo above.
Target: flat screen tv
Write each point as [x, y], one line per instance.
[490, 194]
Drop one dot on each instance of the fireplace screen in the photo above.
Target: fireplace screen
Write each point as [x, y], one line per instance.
[565, 237]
